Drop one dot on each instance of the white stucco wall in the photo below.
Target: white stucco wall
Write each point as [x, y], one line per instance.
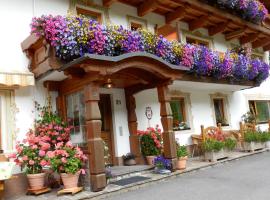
[15, 16]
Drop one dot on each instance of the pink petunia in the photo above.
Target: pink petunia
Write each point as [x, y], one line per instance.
[64, 160]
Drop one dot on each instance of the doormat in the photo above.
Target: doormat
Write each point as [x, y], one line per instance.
[130, 180]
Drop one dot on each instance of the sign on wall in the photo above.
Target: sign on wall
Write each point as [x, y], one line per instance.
[148, 114]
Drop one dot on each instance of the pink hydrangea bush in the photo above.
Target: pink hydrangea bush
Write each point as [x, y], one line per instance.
[67, 158]
[31, 153]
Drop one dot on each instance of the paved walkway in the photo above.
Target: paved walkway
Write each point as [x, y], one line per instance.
[247, 178]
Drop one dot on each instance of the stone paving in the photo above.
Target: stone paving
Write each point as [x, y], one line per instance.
[192, 165]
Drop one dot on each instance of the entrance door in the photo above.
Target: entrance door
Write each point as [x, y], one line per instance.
[106, 128]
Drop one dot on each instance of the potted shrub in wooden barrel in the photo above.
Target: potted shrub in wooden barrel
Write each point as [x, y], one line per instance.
[151, 143]
[68, 161]
[182, 156]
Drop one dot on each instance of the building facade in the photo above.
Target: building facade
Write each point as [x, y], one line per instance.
[193, 101]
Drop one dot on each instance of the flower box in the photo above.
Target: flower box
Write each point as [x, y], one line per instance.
[253, 146]
[214, 156]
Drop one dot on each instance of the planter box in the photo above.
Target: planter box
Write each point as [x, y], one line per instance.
[253, 146]
[215, 156]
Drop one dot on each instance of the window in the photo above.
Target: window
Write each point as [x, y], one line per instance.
[135, 26]
[136, 23]
[90, 14]
[197, 41]
[261, 109]
[257, 56]
[179, 114]
[220, 114]
[76, 117]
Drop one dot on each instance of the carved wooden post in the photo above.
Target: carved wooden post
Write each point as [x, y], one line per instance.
[202, 133]
[242, 129]
[167, 123]
[94, 141]
[134, 139]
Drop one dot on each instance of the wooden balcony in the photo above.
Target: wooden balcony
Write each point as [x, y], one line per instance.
[201, 15]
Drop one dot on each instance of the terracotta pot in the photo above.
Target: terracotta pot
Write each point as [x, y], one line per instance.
[36, 181]
[70, 180]
[181, 163]
[150, 160]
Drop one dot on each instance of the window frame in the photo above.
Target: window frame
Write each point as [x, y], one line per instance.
[198, 41]
[84, 11]
[256, 112]
[225, 108]
[136, 20]
[185, 98]
[197, 35]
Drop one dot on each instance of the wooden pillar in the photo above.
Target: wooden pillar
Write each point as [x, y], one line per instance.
[94, 141]
[242, 130]
[269, 125]
[202, 133]
[167, 123]
[134, 139]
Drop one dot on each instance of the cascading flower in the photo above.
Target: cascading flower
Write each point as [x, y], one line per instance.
[74, 36]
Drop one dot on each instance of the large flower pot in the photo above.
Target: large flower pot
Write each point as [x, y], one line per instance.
[252, 146]
[36, 181]
[181, 163]
[70, 180]
[267, 144]
[150, 160]
[214, 156]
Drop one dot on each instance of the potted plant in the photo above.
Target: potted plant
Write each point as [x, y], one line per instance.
[217, 146]
[254, 140]
[162, 165]
[267, 141]
[129, 159]
[68, 161]
[182, 156]
[151, 143]
[31, 156]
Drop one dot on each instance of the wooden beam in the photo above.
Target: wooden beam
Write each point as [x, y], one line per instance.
[198, 23]
[108, 3]
[221, 27]
[260, 43]
[235, 34]
[249, 38]
[267, 48]
[177, 15]
[147, 7]
[166, 30]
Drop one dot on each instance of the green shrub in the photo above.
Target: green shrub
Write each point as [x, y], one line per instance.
[181, 151]
[212, 145]
[230, 144]
[265, 136]
[256, 136]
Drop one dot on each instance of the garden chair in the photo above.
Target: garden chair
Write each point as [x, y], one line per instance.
[210, 129]
[246, 127]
